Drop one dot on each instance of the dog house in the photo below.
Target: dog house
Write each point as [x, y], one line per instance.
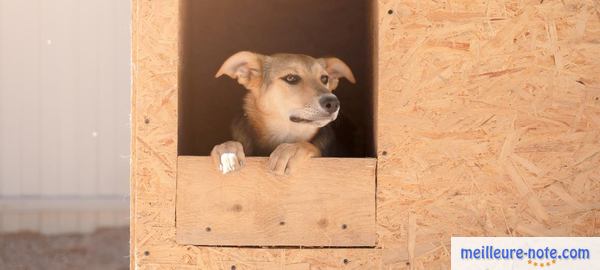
[477, 119]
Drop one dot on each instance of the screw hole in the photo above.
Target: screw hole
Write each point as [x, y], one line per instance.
[344, 226]
[233, 267]
[384, 153]
[390, 12]
[346, 261]
[281, 223]
[208, 229]
[146, 121]
[146, 253]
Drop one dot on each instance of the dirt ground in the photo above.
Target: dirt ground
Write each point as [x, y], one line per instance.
[106, 249]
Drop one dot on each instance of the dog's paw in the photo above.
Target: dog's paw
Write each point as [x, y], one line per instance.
[228, 156]
[289, 157]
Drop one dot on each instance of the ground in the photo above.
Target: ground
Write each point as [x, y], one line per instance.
[105, 249]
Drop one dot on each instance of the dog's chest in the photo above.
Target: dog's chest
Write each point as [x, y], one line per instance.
[290, 134]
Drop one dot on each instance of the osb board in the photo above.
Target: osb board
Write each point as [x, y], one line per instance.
[489, 118]
[154, 125]
[160, 250]
[332, 204]
[488, 124]
[154, 158]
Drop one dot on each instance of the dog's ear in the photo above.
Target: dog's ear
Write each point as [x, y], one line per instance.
[244, 66]
[337, 69]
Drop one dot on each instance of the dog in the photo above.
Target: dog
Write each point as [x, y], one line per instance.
[287, 109]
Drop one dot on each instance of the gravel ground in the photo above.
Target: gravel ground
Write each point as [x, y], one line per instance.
[105, 249]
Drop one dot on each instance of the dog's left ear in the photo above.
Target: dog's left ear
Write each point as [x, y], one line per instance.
[245, 67]
[337, 69]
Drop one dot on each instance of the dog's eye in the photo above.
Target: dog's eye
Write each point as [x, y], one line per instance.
[324, 79]
[291, 79]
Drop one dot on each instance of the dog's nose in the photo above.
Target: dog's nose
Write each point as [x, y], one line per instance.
[330, 103]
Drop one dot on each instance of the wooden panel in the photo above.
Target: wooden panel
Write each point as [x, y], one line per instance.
[154, 122]
[330, 204]
[488, 123]
[154, 158]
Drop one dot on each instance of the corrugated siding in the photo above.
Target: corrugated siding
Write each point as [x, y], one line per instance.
[64, 114]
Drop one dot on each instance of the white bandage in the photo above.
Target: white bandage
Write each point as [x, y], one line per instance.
[228, 162]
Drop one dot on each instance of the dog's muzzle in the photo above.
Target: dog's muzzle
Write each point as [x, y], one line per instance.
[321, 113]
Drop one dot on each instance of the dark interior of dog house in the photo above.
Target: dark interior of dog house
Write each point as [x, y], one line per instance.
[214, 30]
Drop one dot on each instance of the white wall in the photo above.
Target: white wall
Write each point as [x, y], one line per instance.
[64, 114]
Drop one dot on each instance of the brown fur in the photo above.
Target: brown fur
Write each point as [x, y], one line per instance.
[286, 110]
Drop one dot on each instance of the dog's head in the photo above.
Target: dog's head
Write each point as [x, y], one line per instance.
[294, 87]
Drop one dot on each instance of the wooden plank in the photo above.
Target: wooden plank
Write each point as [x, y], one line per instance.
[162, 249]
[472, 98]
[455, 80]
[332, 203]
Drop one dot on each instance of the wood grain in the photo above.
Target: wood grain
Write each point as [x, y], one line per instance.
[488, 114]
[470, 96]
[330, 203]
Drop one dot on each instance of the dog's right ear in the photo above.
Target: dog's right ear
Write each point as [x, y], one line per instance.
[244, 66]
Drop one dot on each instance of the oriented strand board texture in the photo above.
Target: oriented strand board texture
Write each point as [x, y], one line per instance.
[154, 125]
[489, 113]
[332, 204]
[154, 158]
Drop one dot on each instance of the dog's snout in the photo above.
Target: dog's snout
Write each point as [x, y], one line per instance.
[329, 103]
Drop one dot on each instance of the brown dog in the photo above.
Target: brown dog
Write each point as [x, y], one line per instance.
[286, 111]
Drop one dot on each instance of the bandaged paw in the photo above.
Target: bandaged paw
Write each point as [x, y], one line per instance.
[228, 162]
